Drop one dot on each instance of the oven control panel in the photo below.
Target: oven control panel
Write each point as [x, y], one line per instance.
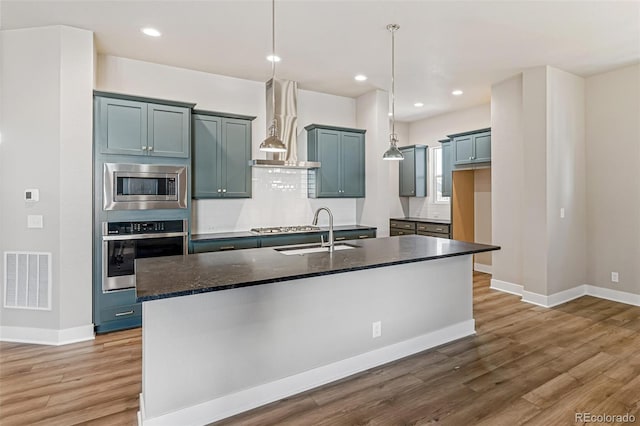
[147, 227]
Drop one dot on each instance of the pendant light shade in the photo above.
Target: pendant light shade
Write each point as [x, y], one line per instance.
[393, 153]
[273, 143]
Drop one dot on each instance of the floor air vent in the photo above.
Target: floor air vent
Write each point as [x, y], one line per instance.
[27, 280]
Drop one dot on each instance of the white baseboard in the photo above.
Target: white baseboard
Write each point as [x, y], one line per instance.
[481, 267]
[506, 287]
[613, 295]
[45, 336]
[229, 405]
[566, 295]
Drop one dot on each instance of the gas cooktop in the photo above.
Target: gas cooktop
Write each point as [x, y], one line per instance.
[285, 229]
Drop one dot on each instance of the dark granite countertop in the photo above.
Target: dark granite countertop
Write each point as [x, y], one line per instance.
[172, 276]
[423, 219]
[245, 234]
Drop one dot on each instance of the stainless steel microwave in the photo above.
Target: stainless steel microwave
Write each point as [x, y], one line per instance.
[144, 187]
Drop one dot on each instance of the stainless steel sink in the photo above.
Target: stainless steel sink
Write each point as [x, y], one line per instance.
[313, 248]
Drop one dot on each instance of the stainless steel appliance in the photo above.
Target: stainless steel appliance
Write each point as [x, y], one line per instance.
[285, 229]
[124, 242]
[144, 187]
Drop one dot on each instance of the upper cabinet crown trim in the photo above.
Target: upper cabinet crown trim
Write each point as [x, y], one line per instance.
[471, 132]
[127, 97]
[339, 129]
[224, 114]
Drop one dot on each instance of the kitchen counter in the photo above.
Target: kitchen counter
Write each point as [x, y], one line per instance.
[245, 234]
[158, 278]
[288, 323]
[423, 219]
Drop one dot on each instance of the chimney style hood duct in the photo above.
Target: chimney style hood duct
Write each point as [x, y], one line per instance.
[286, 115]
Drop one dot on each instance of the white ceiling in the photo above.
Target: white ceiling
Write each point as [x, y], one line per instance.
[441, 45]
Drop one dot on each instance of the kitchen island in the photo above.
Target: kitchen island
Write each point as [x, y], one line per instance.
[230, 331]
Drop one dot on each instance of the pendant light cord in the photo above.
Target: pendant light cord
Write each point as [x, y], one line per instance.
[393, 82]
[273, 61]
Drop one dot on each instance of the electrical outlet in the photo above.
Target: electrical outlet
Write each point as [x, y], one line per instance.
[377, 329]
[614, 277]
[562, 213]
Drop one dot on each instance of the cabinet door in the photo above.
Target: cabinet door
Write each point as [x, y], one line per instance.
[207, 137]
[482, 147]
[463, 150]
[122, 127]
[236, 153]
[446, 169]
[328, 175]
[168, 131]
[408, 173]
[353, 165]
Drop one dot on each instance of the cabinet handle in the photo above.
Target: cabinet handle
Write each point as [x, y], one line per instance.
[150, 148]
[224, 190]
[470, 158]
[400, 233]
[144, 148]
[439, 229]
[227, 248]
[363, 236]
[407, 226]
[121, 314]
[340, 238]
[219, 190]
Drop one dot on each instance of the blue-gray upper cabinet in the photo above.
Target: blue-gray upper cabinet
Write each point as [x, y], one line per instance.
[446, 167]
[134, 127]
[221, 154]
[471, 147]
[341, 153]
[413, 171]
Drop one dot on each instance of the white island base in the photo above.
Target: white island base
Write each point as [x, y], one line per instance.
[212, 355]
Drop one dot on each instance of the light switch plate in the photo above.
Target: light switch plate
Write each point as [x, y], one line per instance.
[562, 213]
[32, 195]
[614, 277]
[35, 221]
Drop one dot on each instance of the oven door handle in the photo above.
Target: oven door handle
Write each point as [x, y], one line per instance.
[141, 236]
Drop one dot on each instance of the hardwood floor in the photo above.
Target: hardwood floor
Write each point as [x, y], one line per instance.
[526, 365]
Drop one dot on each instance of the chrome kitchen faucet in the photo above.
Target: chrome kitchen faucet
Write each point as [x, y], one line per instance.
[315, 222]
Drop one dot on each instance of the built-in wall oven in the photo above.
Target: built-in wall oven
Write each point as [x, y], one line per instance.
[144, 186]
[124, 242]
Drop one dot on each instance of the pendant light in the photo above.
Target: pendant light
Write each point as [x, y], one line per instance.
[273, 143]
[393, 153]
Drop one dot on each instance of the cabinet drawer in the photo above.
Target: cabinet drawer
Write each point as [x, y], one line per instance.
[433, 227]
[224, 245]
[121, 312]
[402, 224]
[353, 235]
[395, 232]
[287, 240]
[433, 234]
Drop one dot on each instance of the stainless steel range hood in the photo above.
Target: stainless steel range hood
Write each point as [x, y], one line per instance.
[286, 115]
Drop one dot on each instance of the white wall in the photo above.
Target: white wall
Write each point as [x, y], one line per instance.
[613, 156]
[507, 179]
[428, 132]
[46, 122]
[538, 168]
[279, 195]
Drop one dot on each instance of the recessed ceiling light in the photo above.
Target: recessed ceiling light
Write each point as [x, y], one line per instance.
[151, 32]
[360, 77]
[273, 58]
[418, 104]
[457, 92]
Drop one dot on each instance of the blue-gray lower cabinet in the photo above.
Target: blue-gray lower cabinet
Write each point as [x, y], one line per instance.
[413, 171]
[354, 235]
[471, 147]
[221, 154]
[131, 126]
[288, 239]
[447, 178]
[341, 153]
[226, 244]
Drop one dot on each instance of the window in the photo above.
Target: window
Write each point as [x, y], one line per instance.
[436, 154]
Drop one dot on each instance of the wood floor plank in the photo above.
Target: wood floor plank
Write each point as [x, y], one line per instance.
[526, 365]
